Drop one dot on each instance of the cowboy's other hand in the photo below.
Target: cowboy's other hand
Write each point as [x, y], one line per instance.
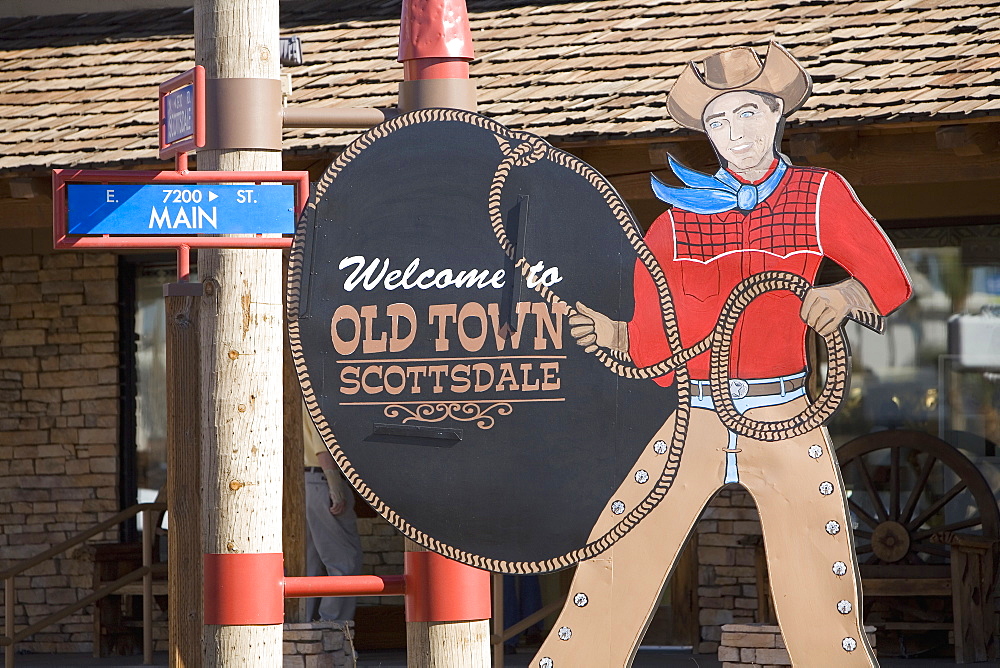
[825, 308]
[583, 327]
[337, 507]
[592, 328]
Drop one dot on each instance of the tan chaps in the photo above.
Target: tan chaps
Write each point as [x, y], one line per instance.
[799, 493]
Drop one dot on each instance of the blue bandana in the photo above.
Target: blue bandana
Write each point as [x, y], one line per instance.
[709, 194]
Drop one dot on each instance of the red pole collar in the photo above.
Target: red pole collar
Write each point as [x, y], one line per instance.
[439, 589]
[244, 589]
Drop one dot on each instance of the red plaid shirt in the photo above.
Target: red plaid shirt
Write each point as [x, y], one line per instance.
[811, 215]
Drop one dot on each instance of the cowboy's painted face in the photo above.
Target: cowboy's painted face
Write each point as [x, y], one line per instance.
[742, 127]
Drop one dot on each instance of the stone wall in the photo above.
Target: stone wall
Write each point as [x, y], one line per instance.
[383, 555]
[58, 438]
[729, 555]
[58, 428]
[759, 645]
[318, 645]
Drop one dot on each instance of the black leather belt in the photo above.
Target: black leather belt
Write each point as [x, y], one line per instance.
[313, 469]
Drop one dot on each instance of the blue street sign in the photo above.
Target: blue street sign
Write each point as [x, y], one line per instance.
[178, 117]
[180, 209]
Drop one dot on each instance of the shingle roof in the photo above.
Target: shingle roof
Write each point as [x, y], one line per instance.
[81, 90]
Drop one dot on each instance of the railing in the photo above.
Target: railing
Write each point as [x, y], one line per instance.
[145, 572]
[293, 587]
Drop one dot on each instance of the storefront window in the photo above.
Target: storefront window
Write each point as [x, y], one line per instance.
[935, 372]
[144, 385]
[937, 367]
[151, 370]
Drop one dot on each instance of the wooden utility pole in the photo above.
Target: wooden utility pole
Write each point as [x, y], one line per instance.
[184, 480]
[435, 47]
[236, 41]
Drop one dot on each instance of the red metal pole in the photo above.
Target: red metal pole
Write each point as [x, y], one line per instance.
[435, 47]
[435, 41]
[345, 585]
[183, 263]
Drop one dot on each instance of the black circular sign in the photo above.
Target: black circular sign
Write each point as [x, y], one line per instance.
[430, 282]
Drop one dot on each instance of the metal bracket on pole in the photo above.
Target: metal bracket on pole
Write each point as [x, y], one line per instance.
[427, 93]
[249, 588]
[183, 289]
[243, 113]
[335, 117]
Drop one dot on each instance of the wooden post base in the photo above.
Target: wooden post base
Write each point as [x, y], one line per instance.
[446, 644]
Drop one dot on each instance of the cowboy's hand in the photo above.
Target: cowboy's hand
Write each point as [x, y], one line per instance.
[825, 308]
[592, 328]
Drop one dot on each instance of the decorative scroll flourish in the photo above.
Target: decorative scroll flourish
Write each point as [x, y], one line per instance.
[457, 410]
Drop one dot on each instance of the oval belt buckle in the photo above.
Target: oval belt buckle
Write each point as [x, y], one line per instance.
[738, 388]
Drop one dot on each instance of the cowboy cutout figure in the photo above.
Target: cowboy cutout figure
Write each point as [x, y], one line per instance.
[757, 214]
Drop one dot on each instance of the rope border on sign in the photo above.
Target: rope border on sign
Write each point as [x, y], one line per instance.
[521, 149]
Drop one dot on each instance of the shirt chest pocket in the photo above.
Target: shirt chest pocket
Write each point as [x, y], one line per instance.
[700, 281]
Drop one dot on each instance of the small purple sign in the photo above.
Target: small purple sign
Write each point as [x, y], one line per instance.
[178, 117]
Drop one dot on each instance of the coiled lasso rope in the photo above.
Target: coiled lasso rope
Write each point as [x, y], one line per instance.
[719, 340]
[530, 149]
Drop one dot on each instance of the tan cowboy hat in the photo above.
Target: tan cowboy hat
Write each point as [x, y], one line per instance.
[737, 69]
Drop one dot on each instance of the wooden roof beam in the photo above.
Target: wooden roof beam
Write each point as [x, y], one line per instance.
[29, 187]
[967, 140]
[817, 148]
[921, 156]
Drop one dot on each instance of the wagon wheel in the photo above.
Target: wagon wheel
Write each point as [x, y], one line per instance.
[907, 490]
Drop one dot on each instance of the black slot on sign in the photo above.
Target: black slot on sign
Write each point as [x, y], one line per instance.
[415, 431]
[521, 251]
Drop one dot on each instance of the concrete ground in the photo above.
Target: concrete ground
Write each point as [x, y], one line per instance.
[645, 659]
[397, 659]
